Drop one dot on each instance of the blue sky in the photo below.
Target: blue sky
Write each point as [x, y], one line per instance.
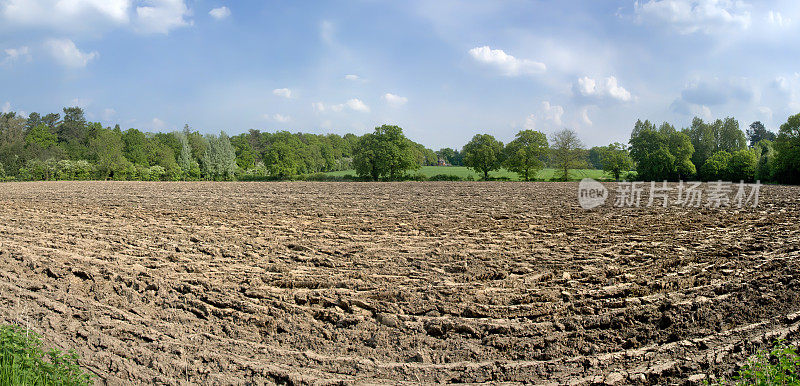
[443, 70]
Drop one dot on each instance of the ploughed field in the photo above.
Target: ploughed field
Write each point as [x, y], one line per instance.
[254, 283]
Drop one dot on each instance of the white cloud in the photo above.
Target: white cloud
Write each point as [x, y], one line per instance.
[65, 14]
[548, 115]
[776, 19]
[716, 91]
[395, 100]
[327, 31]
[80, 102]
[16, 54]
[67, 53]
[352, 77]
[152, 16]
[354, 104]
[6, 107]
[157, 124]
[765, 112]
[220, 13]
[585, 116]
[162, 16]
[357, 105]
[688, 109]
[607, 88]
[318, 107]
[283, 92]
[280, 118]
[507, 64]
[690, 16]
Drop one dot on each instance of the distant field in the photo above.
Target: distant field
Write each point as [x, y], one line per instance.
[465, 172]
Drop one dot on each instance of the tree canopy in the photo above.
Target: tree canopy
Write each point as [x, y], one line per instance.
[483, 154]
[526, 153]
[567, 153]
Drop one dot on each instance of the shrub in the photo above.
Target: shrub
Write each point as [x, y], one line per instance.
[445, 177]
[156, 173]
[779, 366]
[24, 362]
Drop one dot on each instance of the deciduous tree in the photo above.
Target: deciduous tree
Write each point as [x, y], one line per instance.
[483, 154]
[567, 153]
[526, 153]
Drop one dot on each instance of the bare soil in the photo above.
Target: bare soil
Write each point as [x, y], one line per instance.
[260, 283]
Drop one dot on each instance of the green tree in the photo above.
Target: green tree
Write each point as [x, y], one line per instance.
[245, 156]
[742, 165]
[567, 153]
[106, 147]
[615, 159]
[593, 157]
[281, 160]
[187, 163]
[661, 154]
[757, 132]
[716, 167]
[710, 138]
[787, 146]
[135, 146]
[220, 158]
[526, 153]
[12, 142]
[384, 153]
[765, 170]
[74, 132]
[40, 137]
[483, 154]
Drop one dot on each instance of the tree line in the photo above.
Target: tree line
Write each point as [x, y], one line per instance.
[717, 150]
[68, 147]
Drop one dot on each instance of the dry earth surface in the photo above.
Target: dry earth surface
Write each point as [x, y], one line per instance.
[260, 283]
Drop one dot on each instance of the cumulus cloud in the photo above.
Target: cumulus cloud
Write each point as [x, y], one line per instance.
[280, 118]
[354, 104]
[60, 14]
[6, 107]
[283, 92]
[16, 54]
[395, 100]
[690, 16]
[357, 105]
[67, 53]
[712, 92]
[603, 89]
[157, 124]
[152, 16]
[680, 106]
[585, 117]
[507, 64]
[318, 107]
[546, 115]
[220, 13]
[776, 19]
[162, 16]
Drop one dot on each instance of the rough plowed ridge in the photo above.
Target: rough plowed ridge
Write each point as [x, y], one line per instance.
[227, 283]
